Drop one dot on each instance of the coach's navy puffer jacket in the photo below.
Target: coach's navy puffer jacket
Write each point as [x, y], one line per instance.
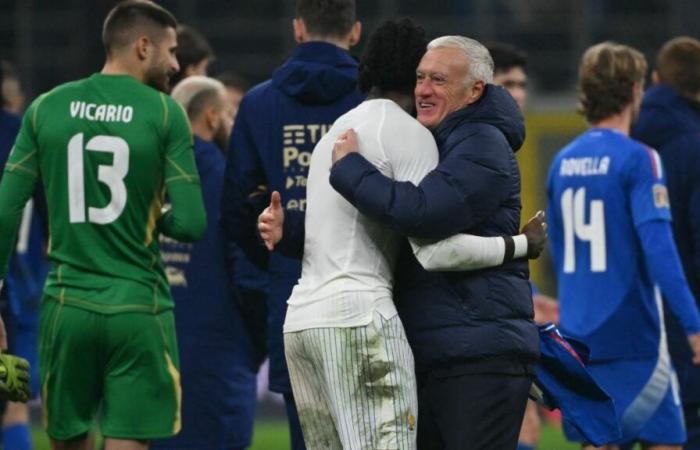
[459, 316]
[671, 125]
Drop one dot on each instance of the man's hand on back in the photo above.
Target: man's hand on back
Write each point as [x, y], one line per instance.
[344, 145]
[271, 221]
[535, 230]
[14, 378]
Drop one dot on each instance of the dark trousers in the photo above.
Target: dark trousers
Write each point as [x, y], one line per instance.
[471, 411]
[692, 425]
[295, 434]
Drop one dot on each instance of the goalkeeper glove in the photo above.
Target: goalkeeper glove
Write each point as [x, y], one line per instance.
[14, 378]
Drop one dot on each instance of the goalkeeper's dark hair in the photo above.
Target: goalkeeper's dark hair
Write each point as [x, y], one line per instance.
[327, 18]
[391, 57]
[131, 18]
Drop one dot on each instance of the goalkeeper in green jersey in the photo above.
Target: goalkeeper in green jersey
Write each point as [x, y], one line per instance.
[107, 149]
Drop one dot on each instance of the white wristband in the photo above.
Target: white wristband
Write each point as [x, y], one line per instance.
[520, 242]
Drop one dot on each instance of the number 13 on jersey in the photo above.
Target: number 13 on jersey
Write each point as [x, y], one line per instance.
[111, 175]
[573, 211]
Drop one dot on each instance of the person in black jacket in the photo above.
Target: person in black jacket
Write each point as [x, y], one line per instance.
[669, 121]
[472, 334]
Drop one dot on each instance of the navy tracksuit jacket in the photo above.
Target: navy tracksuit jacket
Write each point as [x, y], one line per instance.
[671, 125]
[217, 364]
[278, 124]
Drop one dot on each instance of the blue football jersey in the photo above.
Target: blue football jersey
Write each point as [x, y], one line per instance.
[601, 188]
[29, 266]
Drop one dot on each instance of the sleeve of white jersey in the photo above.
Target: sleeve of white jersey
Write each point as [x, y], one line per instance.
[411, 152]
[464, 252]
[408, 147]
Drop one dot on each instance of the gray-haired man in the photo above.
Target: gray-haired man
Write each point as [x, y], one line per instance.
[472, 334]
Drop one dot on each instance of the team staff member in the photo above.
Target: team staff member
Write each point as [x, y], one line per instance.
[669, 121]
[218, 399]
[471, 333]
[278, 124]
[105, 147]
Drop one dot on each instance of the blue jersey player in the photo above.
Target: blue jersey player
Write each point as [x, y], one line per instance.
[614, 253]
[20, 297]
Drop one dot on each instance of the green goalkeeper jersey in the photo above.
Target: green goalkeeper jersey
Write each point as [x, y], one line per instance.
[107, 149]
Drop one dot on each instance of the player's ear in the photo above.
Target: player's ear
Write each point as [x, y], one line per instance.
[300, 33]
[355, 33]
[476, 91]
[638, 89]
[143, 48]
[212, 116]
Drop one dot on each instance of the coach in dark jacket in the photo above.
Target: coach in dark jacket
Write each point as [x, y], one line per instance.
[669, 121]
[472, 333]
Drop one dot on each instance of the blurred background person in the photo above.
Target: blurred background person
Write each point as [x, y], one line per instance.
[250, 281]
[19, 299]
[278, 124]
[194, 54]
[669, 121]
[510, 70]
[14, 99]
[218, 399]
[236, 87]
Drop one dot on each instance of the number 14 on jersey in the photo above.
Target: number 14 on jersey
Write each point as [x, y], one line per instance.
[573, 211]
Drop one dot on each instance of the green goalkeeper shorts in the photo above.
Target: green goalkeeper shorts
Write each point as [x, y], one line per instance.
[121, 368]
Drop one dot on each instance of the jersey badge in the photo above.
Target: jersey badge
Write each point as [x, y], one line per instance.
[661, 196]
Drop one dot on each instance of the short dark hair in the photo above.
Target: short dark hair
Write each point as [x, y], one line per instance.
[678, 65]
[607, 75]
[391, 57]
[327, 18]
[130, 15]
[192, 48]
[233, 80]
[506, 56]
